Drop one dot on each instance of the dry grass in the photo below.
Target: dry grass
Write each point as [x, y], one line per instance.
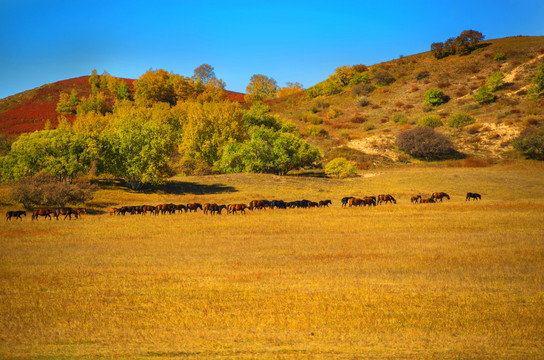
[451, 281]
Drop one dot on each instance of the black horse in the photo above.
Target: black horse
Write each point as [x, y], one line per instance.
[15, 214]
[345, 200]
[473, 196]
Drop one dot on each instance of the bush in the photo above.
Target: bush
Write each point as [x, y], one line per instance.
[531, 143]
[362, 89]
[400, 119]
[425, 143]
[362, 101]
[430, 121]
[383, 78]
[334, 113]
[44, 190]
[435, 97]
[340, 168]
[316, 131]
[459, 120]
[484, 95]
[499, 57]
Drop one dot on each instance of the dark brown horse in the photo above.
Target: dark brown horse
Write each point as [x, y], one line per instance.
[15, 214]
[428, 201]
[42, 212]
[440, 196]
[369, 200]
[473, 196]
[66, 211]
[386, 198]
[416, 199]
[194, 207]
[259, 204]
[325, 203]
[233, 208]
[355, 202]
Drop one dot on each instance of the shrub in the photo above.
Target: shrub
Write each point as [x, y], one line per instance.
[369, 127]
[400, 119]
[358, 120]
[425, 143]
[362, 101]
[383, 78]
[430, 121]
[435, 97]
[334, 113]
[499, 57]
[484, 95]
[44, 190]
[362, 89]
[531, 143]
[316, 131]
[460, 119]
[422, 74]
[340, 168]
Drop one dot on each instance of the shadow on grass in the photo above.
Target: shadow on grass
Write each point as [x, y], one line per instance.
[173, 187]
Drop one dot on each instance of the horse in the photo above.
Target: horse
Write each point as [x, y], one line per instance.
[182, 208]
[194, 207]
[416, 199]
[440, 196]
[16, 214]
[386, 198]
[280, 204]
[148, 208]
[428, 201]
[474, 196]
[325, 203]
[355, 202]
[80, 211]
[114, 211]
[259, 204]
[216, 209]
[42, 212]
[66, 211]
[233, 208]
[207, 207]
[165, 208]
[369, 200]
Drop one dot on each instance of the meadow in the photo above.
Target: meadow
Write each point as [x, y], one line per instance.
[452, 280]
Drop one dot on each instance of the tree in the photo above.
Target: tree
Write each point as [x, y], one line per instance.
[467, 41]
[290, 89]
[425, 143]
[208, 127]
[261, 87]
[153, 87]
[183, 87]
[204, 73]
[94, 79]
[435, 97]
[340, 168]
[67, 103]
[531, 143]
[139, 143]
[94, 103]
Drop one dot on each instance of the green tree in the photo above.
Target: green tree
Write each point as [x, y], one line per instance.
[537, 86]
[94, 103]
[531, 143]
[208, 127]
[261, 87]
[341, 168]
[139, 143]
[94, 79]
[435, 97]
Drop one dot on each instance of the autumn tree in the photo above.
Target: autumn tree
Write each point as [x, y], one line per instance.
[261, 87]
[204, 73]
[289, 89]
[154, 86]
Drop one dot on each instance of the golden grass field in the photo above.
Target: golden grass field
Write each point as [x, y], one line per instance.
[453, 280]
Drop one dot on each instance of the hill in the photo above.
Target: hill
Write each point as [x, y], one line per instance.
[366, 134]
[31, 110]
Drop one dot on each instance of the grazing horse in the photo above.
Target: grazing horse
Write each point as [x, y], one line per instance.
[216, 209]
[355, 202]
[280, 204]
[386, 198]
[345, 200]
[474, 196]
[182, 208]
[259, 204]
[148, 208]
[440, 196]
[416, 199]
[42, 212]
[369, 200]
[233, 208]
[114, 211]
[80, 211]
[16, 214]
[66, 211]
[194, 207]
[428, 201]
[325, 203]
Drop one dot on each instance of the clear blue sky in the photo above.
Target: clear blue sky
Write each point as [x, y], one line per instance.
[50, 40]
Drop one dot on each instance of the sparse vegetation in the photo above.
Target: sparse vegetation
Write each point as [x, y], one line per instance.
[460, 120]
[424, 143]
[430, 121]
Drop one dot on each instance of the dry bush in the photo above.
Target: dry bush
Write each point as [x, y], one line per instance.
[358, 120]
[425, 143]
[443, 84]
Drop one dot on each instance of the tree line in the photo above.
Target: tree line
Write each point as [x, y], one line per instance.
[140, 135]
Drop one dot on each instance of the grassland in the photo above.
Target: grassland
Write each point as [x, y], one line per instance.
[454, 280]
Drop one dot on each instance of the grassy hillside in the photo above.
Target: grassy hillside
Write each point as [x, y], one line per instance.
[372, 129]
[450, 280]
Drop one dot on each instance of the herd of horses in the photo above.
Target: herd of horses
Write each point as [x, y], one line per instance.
[215, 209]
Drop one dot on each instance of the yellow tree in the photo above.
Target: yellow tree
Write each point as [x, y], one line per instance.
[289, 89]
[261, 87]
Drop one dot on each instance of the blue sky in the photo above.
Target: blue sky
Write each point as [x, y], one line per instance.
[50, 40]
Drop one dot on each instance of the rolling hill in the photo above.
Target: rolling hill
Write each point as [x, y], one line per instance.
[340, 126]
